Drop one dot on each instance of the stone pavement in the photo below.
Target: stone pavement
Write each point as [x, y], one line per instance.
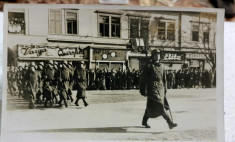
[112, 115]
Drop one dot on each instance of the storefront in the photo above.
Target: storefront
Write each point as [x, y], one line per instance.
[196, 60]
[173, 60]
[136, 60]
[107, 58]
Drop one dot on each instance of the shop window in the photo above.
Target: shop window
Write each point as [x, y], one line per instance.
[139, 28]
[109, 26]
[166, 30]
[55, 22]
[16, 22]
[195, 32]
[71, 22]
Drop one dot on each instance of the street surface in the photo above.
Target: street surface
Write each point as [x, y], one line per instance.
[114, 115]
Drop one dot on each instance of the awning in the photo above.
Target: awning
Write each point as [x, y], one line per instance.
[108, 46]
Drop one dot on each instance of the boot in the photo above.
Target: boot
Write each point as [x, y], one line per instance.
[85, 103]
[65, 103]
[76, 103]
[169, 122]
[144, 122]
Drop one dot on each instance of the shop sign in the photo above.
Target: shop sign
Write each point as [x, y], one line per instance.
[36, 51]
[195, 56]
[173, 56]
[109, 55]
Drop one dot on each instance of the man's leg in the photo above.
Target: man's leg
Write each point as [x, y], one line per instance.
[84, 101]
[168, 120]
[145, 120]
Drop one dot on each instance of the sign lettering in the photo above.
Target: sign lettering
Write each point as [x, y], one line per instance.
[32, 51]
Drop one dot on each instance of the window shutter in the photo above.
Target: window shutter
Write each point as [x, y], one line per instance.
[55, 22]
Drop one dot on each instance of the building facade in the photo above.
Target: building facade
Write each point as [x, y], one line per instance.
[111, 38]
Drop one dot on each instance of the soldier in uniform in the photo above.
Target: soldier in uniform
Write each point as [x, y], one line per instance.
[63, 83]
[12, 81]
[49, 83]
[71, 82]
[80, 78]
[39, 94]
[19, 78]
[153, 86]
[25, 81]
[55, 92]
[33, 84]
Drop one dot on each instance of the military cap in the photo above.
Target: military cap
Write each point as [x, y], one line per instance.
[50, 62]
[81, 62]
[55, 63]
[41, 64]
[70, 63]
[155, 51]
[26, 65]
[32, 64]
[65, 62]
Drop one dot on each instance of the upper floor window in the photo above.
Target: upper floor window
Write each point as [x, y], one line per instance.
[205, 37]
[166, 30]
[55, 22]
[109, 26]
[16, 22]
[71, 22]
[139, 28]
[206, 30]
[195, 31]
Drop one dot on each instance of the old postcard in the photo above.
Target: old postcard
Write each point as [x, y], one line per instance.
[116, 73]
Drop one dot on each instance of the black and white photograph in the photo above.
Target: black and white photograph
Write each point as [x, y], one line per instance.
[112, 73]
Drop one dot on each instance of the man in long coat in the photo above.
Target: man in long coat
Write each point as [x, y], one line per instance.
[153, 86]
[33, 85]
[81, 83]
[49, 83]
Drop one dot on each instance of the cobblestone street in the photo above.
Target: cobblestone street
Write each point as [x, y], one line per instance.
[114, 115]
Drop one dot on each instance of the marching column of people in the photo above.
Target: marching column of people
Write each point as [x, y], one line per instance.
[50, 83]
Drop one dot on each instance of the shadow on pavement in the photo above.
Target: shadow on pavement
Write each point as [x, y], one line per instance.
[16, 103]
[95, 130]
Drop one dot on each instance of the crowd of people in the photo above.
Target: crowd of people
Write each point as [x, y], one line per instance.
[190, 78]
[16, 25]
[53, 82]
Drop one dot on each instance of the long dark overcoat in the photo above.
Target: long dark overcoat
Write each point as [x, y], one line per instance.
[153, 85]
[81, 82]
